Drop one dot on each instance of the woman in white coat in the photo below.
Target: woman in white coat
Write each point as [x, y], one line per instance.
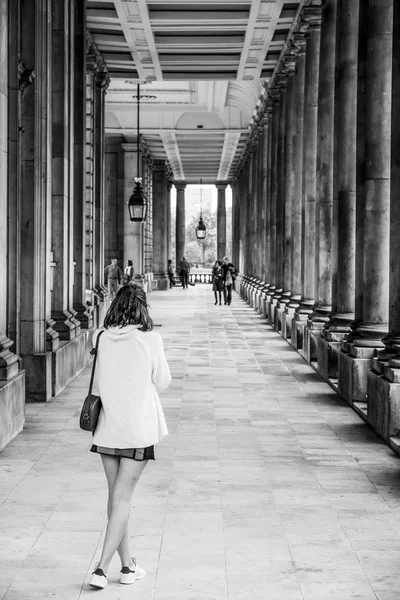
[131, 368]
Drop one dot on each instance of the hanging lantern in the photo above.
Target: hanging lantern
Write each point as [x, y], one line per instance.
[137, 203]
[201, 229]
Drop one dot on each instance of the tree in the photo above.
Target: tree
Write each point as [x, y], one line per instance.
[202, 251]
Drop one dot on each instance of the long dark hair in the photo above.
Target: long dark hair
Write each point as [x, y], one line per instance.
[129, 307]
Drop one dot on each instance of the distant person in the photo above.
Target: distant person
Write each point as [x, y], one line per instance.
[184, 269]
[171, 274]
[218, 280]
[229, 275]
[113, 275]
[129, 272]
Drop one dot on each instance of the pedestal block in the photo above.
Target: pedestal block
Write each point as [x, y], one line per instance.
[159, 283]
[12, 408]
[312, 333]
[384, 400]
[38, 381]
[354, 364]
[279, 312]
[328, 350]
[69, 360]
[298, 325]
[287, 319]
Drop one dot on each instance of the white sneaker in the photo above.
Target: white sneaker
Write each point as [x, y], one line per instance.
[130, 575]
[99, 579]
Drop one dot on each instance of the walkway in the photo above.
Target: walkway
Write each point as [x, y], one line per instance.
[267, 488]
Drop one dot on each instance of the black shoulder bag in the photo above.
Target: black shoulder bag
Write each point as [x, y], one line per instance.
[92, 404]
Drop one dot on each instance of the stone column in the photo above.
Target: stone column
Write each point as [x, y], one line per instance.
[169, 187]
[102, 81]
[160, 226]
[279, 300]
[266, 194]
[343, 295]
[9, 366]
[384, 379]
[221, 220]
[297, 261]
[381, 220]
[62, 168]
[312, 16]
[290, 67]
[38, 338]
[79, 90]
[180, 220]
[312, 21]
[133, 232]
[325, 172]
[377, 211]
[275, 95]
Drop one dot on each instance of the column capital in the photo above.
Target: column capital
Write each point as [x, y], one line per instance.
[290, 61]
[180, 185]
[221, 185]
[312, 16]
[299, 41]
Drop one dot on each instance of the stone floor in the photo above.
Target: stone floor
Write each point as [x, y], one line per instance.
[267, 488]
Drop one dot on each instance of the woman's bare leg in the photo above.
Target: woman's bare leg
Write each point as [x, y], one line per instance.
[129, 472]
[111, 466]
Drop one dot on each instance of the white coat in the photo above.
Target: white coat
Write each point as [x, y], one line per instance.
[131, 369]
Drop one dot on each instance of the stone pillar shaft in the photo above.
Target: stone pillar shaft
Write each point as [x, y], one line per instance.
[310, 153]
[297, 181]
[288, 181]
[160, 225]
[274, 191]
[101, 81]
[281, 184]
[325, 157]
[346, 158]
[221, 221]
[180, 221]
[377, 172]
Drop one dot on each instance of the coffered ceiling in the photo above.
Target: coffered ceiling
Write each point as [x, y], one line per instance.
[204, 64]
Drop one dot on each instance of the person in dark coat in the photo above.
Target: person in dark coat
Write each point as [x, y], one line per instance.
[184, 268]
[229, 275]
[218, 280]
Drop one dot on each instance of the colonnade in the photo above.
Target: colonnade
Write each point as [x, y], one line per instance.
[324, 149]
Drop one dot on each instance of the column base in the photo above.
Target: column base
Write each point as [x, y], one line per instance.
[38, 370]
[383, 412]
[12, 408]
[312, 333]
[63, 324]
[299, 323]
[160, 283]
[328, 350]
[354, 364]
[84, 315]
[9, 362]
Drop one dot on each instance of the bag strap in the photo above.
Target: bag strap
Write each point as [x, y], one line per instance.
[94, 352]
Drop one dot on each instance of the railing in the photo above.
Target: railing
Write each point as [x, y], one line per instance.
[200, 277]
[194, 278]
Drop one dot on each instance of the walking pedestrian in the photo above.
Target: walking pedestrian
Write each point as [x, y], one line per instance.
[171, 275]
[218, 280]
[113, 275]
[131, 370]
[229, 275]
[184, 269]
[129, 272]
